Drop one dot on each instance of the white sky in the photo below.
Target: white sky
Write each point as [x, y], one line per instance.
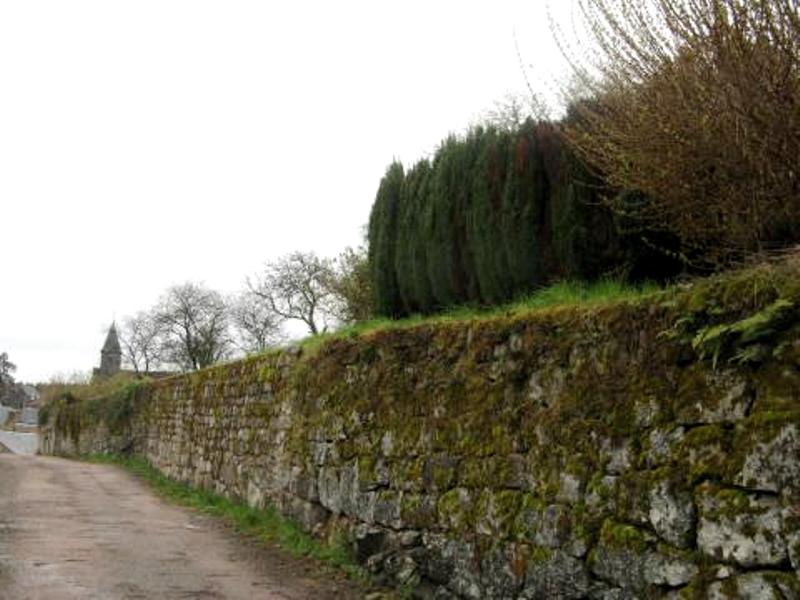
[153, 142]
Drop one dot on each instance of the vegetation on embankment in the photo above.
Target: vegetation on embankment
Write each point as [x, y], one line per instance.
[716, 315]
[494, 215]
[563, 295]
[109, 399]
[678, 154]
[712, 315]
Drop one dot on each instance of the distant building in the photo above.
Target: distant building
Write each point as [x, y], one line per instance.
[111, 359]
[110, 355]
[19, 405]
[20, 396]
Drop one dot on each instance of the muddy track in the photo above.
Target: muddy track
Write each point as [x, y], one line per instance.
[71, 530]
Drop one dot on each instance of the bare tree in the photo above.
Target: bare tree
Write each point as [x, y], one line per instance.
[696, 103]
[512, 110]
[142, 341]
[351, 287]
[297, 286]
[257, 326]
[194, 320]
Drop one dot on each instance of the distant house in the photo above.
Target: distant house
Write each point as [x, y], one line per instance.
[19, 396]
[19, 403]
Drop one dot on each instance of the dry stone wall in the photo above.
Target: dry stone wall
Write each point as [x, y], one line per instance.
[569, 454]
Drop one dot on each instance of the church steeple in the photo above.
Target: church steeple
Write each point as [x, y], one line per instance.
[111, 354]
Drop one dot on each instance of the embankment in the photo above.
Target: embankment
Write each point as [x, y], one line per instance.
[635, 450]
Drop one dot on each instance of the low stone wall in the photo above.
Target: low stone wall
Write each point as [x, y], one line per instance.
[636, 451]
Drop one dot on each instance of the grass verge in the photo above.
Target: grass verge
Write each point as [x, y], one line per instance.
[558, 295]
[266, 525]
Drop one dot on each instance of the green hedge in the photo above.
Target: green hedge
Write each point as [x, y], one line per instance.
[493, 215]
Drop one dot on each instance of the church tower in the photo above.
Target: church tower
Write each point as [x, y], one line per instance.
[111, 354]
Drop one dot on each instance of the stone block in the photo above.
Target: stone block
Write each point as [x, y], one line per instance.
[740, 527]
[710, 396]
[455, 509]
[439, 472]
[672, 514]
[554, 574]
[756, 586]
[329, 492]
[662, 442]
[502, 572]
[774, 464]
[387, 508]
[627, 557]
[641, 571]
[570, 488]
[791, 532]
[453, 563]
[418, 511]
[551, 527]
[309, 515]
[602, 495]
[495, 512]
[620, 458]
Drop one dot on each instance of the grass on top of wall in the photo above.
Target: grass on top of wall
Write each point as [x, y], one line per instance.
[558, 295]
[266, 525]
[576, 293]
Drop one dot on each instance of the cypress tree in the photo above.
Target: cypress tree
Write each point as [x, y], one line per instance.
[577, 237]
[525, 234]
[408, 222]
[484, 222]
[465, 275]
[440, 247]
[382, 242]
[423, 230]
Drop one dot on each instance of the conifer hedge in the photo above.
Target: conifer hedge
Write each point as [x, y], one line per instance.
[493, 215]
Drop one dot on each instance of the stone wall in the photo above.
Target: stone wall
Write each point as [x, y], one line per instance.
[640, 450]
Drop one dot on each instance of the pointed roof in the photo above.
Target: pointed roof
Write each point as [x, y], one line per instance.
[112, 341]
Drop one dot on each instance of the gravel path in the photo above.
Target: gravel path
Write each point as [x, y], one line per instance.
[71, 530]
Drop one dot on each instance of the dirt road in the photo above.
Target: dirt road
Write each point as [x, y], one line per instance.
[71, 530]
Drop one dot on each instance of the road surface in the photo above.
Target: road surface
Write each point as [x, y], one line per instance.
[72, 530]
[19, 443]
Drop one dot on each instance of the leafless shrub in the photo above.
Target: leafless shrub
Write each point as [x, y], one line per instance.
[696, 103]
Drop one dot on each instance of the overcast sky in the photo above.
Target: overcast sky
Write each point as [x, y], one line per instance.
[153, 142]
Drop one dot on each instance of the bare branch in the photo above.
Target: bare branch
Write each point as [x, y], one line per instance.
[142, 341]
[257, 325]
[695, 103]
[297, 286]
[194, 322]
